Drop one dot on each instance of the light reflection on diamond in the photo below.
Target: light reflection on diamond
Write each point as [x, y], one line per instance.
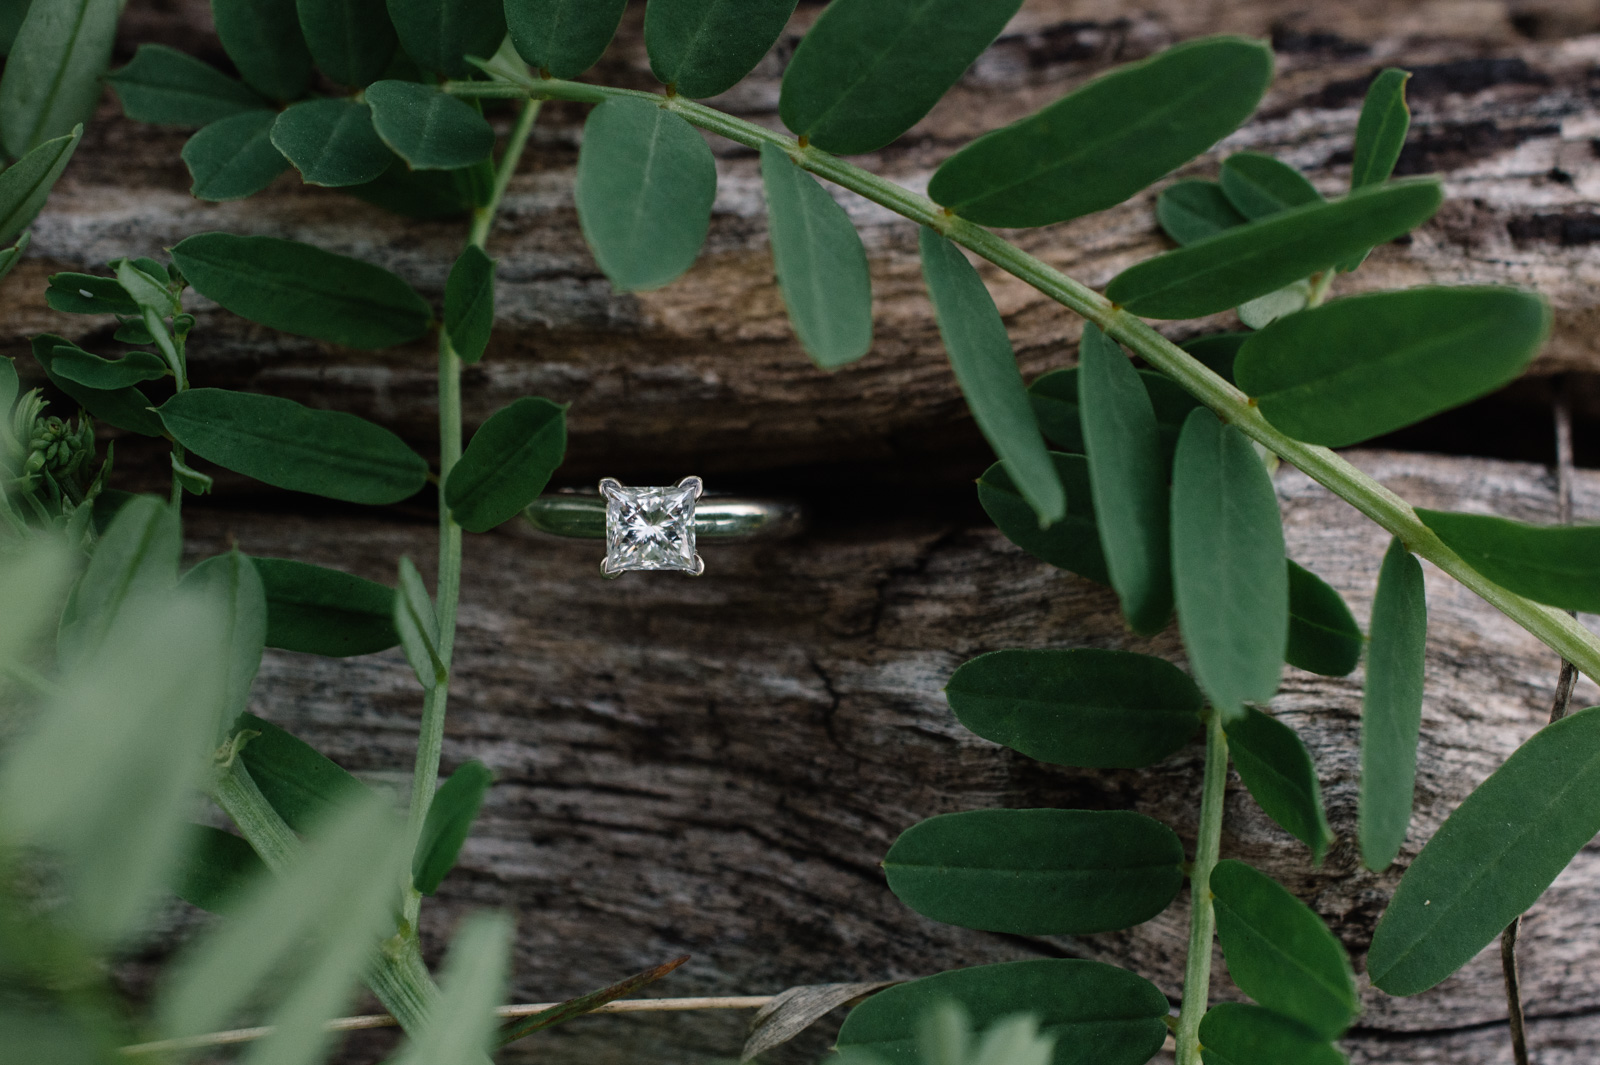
[650, 528]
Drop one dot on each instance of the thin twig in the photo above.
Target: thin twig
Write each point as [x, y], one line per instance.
[384, 1020]
[1508, 969]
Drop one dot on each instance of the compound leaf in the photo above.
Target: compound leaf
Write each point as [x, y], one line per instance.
[172, 88]
[507, 463]
[1323, 636]
[325, 611]
[234, 157]
[351, 40]
[440, 34]
[450, 816]
[702, 48]
[469, 304]
[1233, 1033]
[1274, 764]
[52, 76]
[125, 408]
[820, 263]
[26, 184]
[1391, 706]
[1072, 543]
[331, 142]
[263, 39]
[565, 37]
[645, 184]
[429, 129]
[1103, 142]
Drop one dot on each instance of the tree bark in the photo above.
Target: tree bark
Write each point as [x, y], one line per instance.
[716, 767]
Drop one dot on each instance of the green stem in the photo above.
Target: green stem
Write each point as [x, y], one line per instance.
[1202, 917]
[1555, 628]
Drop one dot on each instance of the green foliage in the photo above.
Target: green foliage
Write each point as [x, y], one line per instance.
[1274, 764]
[331, 142]
[1258, 185]
[88, 294]
[263, 39]
[461, 1026]
[1251, 260]
[1380, 134]
[469, 304]
[1097, 1013]
[325, 611]
[416, 619]
[450, 816]
[645, 184]
[108, 375]
[1129, 472]
[870, 69]
[304, 290]
[231, 582]
[1280, 953]
[217, 867]
[52, 77]
[234, 158]
[440, 34]
[1236, 1034]
[1103, 142]
[1492, 858]
[1323, 637]
[704, 47]
[820, 263]
[304, 787]
[1193, 210]
[326, 453]
[1080, 707]
[1228, 571]
[1037, 872]
[1391, 706]
[1554, 564]
[352, 41]
[1054, 397]
[565, 37]
[579, 1005]
[172, 88]
[507, 464]
[1072, 543]
[25, 184]
[135, 561]
[986, 368]
[1367, 365]
[427, 128]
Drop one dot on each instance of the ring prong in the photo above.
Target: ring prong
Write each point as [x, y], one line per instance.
[696, 483]
[699, 566]
[610, 486]
[608, 573]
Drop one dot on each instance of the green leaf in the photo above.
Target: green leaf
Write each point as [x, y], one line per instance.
[12, 12]
[9, 257]
[1275, 765]
[191, 479]
[1280, 953]
[146, 283]
[325, 611]
[1258, 185]
[461, 1026]
[469, 304]
[986, 369]
[1554, 564]
[1128, 474]
[1037, 872]
[1228, 565]
[304, 290]
[507, 463]
[1105, 141]
[417, 622]
[351, 40]
[234, 158]
[701, 48]
[1264, 310]
[171, 88]
[1081, 707]
[645, 184]
[263, 39]
[26, 184]
[1217, 351]
[1054, 397]
[10, 385]
[440, 34]
[1391, 706]
[1193, 210]
[579, 1005]
[870, 69]
[307, 936]
[1492, 858]
[135, 561]
[1381, 131]
[331, 142]
[125, 408]
[218, 868]
[1099, 1014]
[450, 816]
[820, 262]
[1233, 1033]
[1323, 637]
[1367, 365]
[52, 76]
[1239, 264]
[231, 580]
[301, 784]
[91, 371]
[429, 129]
[280, 442]
[1072, 543]
[34, 578]
[88, 294]
[565, 37]
[425, 194]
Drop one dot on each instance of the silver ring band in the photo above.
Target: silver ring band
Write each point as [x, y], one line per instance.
[582, 514]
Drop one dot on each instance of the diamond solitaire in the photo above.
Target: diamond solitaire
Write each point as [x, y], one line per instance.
[651, 528]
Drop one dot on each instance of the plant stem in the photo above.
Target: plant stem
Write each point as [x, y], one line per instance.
[1557, 630]
[1202, 917]
[430, 738]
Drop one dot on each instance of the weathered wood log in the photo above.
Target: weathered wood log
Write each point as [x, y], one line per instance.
[715, 767]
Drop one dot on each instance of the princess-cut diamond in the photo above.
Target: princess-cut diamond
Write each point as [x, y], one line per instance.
[651, 528]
